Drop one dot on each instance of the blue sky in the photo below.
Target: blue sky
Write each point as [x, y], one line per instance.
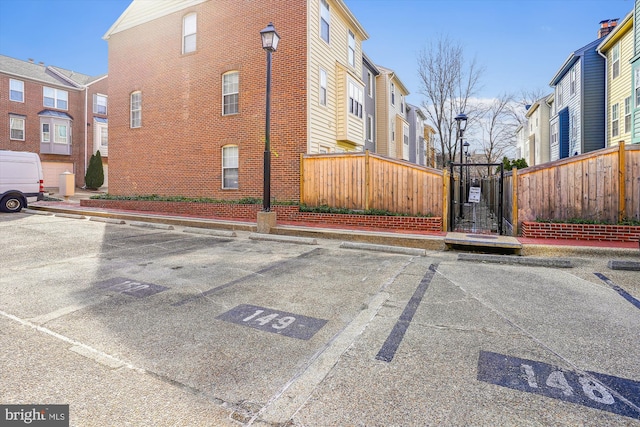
[521, 43]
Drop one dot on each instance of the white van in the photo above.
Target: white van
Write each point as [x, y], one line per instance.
[21, 180]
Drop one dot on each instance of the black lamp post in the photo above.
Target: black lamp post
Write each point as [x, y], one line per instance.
[461, 119]
[270, 41]
[466, 160]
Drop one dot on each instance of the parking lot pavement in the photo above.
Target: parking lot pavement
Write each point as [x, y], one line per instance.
[148, 326]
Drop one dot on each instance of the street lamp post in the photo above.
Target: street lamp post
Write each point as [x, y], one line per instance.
[466, 158]
[461, 119]
[270, 41]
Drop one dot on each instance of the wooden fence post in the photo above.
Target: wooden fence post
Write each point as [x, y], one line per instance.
[514, 200]
[622, 175]
[301, 178]
[367, 180]
[445, 200]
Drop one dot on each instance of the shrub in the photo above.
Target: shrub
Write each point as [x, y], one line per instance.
[95, 172]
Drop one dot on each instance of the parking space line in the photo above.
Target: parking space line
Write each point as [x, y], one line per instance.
[390, 346]
[624, 294]
[242, 279]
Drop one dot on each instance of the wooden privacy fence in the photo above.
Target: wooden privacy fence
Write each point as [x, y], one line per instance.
[602, 185]
[363, 181]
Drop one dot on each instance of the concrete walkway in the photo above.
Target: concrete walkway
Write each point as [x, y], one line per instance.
[488, 243]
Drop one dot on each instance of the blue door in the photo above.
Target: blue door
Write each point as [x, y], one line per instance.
[564, 132]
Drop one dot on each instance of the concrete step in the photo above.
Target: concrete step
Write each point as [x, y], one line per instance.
[488, 243]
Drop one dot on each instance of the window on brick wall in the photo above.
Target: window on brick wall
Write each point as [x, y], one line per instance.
[16, 126]
[189, 33]
[16, 90]
[230, 92]
[55, 98]
[230, 167]
[99, 104]
[136, 110]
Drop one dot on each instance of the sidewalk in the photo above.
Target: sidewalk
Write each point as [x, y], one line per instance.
[538, 247]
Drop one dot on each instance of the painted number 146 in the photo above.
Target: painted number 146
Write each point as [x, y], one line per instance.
[276, 321]
[557, 380]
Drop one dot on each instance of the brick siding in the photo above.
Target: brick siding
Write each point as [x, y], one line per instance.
[602, 232]
[178, 148]
[288, 214]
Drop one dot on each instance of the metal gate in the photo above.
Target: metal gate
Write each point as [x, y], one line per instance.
[476, 198]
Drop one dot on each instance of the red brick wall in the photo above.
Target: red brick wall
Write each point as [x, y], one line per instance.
[616, 233]
[177, 151]
[284, 213]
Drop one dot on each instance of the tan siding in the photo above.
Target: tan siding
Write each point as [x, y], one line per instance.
[330, 124]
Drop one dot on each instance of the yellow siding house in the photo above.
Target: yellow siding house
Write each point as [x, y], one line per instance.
[617, 48]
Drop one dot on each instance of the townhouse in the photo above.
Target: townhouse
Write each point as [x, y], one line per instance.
[635, 77]
[392, 126]
[369, 74]
[59, 114]
[577, 123]
[538, 131]
[417, 145]
[187, 94]
[617, 49]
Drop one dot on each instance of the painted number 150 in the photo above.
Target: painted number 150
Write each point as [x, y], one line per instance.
[277, 322]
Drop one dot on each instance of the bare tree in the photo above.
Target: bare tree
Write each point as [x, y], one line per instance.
[526, 98]
[448, 83]
[499, 128]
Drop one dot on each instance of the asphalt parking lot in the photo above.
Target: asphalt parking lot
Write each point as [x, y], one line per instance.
[132, 324]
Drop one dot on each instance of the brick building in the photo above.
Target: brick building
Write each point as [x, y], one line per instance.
[187, 88]
[57, 113]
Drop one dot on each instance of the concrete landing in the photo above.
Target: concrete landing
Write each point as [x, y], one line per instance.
[483, 243]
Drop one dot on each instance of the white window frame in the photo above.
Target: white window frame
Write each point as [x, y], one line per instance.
[369, 128]
[627, 114]
[636, 82]
[370, 82]
[45, 136]
[615, 120]
[572, 81]
[322, 87]
[574, 127]
[560, 96]
[58, 98]
[230, 93]
[135, 110]
[352, 48]
[356, 99]
[615, 61]
[99, 103]
[61, 133]
[189, 33]
[554, 133]
[230, 163]
[325, 21]
[17, 124]
[393, 94]
[16, 87]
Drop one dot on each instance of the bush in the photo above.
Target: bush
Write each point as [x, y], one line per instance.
[95, 172]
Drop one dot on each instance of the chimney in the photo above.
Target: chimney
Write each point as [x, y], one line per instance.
[607, 26]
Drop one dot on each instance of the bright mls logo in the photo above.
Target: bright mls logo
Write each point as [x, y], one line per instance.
[35, 415]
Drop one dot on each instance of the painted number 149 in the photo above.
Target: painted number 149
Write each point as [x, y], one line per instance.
[276, 321]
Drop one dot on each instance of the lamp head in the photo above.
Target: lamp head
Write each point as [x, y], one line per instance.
[270, 38]
[461, 119]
